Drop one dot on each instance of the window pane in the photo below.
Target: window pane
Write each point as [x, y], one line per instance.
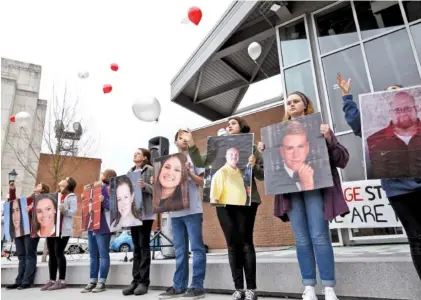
[412, 10]
[350, 64]
[294, 45]
[391, 61]
[358, 232]
[354, 169]
[376, 17]
[416, 35]
[336, 27]
[300, 78]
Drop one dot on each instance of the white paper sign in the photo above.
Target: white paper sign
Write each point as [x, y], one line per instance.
[368, 205]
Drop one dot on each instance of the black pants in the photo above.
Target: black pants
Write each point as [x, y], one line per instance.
[26, 250]
[57, 260]
[141, 236]
[408, 209]
[237, 223]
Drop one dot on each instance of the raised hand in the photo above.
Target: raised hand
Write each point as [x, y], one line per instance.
[325, 131]
[306, 175]
[345, 86]
[188, 137]
[141, 183]
[252, 161]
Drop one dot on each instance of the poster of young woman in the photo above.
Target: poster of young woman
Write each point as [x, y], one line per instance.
[45, 216]
[91, 206]
[170, 183]
[125, 201]
[16, 219]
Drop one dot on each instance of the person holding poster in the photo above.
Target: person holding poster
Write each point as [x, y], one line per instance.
[141, 234]
[57, 244]
[187, 227]
[404, 194]
[26, 246]
[310, 211]
[237, 222]
[99, 240]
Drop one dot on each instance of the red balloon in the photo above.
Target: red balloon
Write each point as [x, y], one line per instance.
[114, 67]
[107, 88]
[12, 119]
[195, 15]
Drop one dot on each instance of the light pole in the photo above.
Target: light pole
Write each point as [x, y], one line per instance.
[12, 176]
[63, 135]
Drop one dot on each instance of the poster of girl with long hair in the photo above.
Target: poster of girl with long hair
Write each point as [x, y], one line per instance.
[45, 219]
[125, 201]
[16, 219]
[170, 183]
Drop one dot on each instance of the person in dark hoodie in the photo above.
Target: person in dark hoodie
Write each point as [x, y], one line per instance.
[26, 246]
[404, 194]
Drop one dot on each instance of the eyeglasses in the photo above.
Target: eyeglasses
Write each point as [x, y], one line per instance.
[401, 110]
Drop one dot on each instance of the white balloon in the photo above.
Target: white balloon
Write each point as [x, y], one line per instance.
[23, 119]
[83, 75]
[185, 21]
[254, 50]
[147, 109]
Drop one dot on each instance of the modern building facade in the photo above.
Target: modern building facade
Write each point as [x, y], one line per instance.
[20, 84]
[305, 44]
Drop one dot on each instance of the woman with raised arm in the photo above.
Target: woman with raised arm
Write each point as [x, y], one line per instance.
[237, 222]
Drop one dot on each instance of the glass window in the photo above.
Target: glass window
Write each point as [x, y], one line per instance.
[360, 232]
[412, 10]
[294, 45]
[350, 64]
[336, 27]
[300, 78]
[416, 36]
[376, 17]
[354, 169]
[334, 235]
[391, 61]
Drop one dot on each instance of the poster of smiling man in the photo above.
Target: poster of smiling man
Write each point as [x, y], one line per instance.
[125, 201]
[16, 219]
[45, 216]
[391, 132]
[296, 156]
[228, 178]
[170, 183]
[91, 206]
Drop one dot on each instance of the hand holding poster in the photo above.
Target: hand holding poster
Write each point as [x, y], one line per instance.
[296, 156]
[91, 206]
[368, 205]
[16, 219]
[391, 131]
[170, 183]
[125, 201]
[45, 216]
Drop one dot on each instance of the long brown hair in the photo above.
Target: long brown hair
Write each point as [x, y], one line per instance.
[244, 127]
[308, 110]
[147, 161]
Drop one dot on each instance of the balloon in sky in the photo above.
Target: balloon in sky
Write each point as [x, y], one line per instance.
[114, 67]
[83, 75]
[146, 109]
[12, 119]
[185, 20]
[195, 15]
[107, 88]
[23, 118]
[254, 50]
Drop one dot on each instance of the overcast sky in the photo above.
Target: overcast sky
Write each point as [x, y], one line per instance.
[145, 38]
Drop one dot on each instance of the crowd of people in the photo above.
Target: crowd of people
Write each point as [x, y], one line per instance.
[308, 211]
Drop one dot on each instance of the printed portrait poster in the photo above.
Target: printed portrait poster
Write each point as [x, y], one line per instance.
[125, 201]
[91, 206]
[228, 177]
[170, 183]
[46, 216]
[296, 157]
[391, 132]
[16, 219]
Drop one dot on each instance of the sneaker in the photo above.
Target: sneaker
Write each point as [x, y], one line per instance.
[100, 287]
[171, 293]
[309, 293]
[238, 295]
[141, 289]
[129, 290]
[58, 285]
[24, 286]
[194, 293]
[250, 295]
[48, 285]
[330, 294]
[88, 288]
[12, 286]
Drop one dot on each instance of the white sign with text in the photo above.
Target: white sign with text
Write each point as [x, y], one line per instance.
[368, 205]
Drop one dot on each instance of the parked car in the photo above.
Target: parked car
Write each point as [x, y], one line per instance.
[74, 246]
[122, 242]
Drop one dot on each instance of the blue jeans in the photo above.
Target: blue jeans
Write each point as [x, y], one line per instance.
[184, 229]
[26, 250]
[311, 232]
[99, 252]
